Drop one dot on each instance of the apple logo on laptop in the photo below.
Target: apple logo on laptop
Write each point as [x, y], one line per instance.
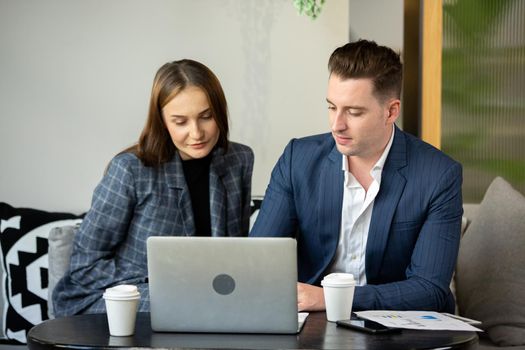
[223, 284]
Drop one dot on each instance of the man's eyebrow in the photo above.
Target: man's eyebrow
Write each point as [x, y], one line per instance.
[348, 107]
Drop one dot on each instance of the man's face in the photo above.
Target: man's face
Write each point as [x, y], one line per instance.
[360, 123]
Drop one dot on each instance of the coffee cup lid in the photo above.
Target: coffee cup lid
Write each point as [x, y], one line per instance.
[338, 279]
[122, 292]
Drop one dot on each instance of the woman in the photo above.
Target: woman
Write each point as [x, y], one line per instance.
[183, 177]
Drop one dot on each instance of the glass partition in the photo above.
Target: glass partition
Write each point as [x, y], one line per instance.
[483, 96]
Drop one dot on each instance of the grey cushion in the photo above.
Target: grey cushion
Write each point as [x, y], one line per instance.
[60, 246]
[470, 211]
[490, 274]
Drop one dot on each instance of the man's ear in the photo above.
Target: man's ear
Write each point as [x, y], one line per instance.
[394, 109]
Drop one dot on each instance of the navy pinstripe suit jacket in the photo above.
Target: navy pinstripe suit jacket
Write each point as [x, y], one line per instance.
[414, 233]
[133, 202]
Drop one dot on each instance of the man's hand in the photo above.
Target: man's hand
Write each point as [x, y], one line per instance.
[309, 298]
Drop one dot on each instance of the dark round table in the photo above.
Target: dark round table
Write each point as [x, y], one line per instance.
[91, 332]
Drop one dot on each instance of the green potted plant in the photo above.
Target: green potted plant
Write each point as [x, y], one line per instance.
[310, 8]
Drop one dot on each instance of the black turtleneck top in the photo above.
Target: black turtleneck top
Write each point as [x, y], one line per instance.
[197, 174]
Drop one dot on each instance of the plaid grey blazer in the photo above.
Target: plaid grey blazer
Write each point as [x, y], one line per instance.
[133, 202]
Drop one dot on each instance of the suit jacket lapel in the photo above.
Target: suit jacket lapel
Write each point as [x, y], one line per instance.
[393, 182]
[330, 206]
[176, 181]
[218, 195]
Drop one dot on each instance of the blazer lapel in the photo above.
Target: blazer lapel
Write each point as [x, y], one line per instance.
[176, 181]
[330, 206]
[393, 182]
[218, 204]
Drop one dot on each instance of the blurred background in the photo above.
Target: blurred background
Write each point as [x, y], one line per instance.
[483, 121]
[76, 77]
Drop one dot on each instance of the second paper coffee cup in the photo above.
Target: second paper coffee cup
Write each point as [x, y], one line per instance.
[338, 291]
[121, 307]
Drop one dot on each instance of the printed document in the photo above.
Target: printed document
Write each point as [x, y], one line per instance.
[425, 320]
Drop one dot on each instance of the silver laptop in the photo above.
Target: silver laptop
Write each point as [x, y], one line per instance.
[223, 285]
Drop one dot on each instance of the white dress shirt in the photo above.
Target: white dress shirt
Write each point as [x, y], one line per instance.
[355, 219]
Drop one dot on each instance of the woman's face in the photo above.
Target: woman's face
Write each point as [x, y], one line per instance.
[190, 123]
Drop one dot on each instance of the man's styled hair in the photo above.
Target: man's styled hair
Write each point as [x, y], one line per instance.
[366, 59]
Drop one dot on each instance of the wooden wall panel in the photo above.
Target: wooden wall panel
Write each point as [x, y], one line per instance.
[432, 28]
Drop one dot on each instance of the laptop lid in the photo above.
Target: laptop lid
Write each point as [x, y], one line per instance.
[223, 284]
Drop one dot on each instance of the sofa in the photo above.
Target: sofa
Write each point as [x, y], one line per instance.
[489, 281]
[24, 283]
[490, 271]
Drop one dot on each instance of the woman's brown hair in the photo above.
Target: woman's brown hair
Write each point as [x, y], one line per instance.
[155, 145]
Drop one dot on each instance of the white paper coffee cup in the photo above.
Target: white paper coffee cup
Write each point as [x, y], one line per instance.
[338, 295]
[121, 307]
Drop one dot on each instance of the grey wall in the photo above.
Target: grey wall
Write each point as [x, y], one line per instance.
[75, 78]
[379, 20]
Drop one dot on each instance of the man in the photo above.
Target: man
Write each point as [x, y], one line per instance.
[367, 199]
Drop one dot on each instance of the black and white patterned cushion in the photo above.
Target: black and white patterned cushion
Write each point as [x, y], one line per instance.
[23, 272]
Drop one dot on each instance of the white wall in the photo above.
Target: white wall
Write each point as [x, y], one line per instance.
[75, 78]
[381, 21]
[378, 20]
